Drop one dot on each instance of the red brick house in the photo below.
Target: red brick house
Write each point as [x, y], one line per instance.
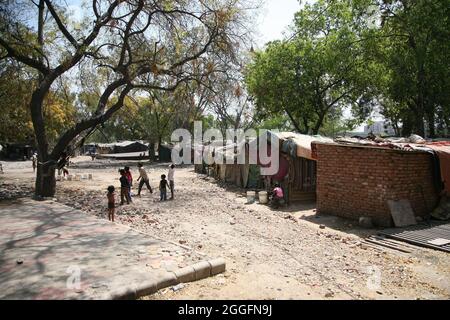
[357, 181]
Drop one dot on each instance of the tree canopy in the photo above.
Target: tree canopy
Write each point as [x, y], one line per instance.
[132, 46]
[358, 55]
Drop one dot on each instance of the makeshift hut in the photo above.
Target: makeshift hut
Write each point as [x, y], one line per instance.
[130, 147]
[371, 178]
[297, 165]
[165, 152]
[17, 151]
[104, 148]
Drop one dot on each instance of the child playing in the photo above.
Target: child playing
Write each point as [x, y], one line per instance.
[130, 181]
[143, 177]
[163, 188]
[111, 201]
[277, 195]
[124, 187]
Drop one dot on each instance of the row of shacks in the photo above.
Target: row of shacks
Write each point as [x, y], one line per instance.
[296, 159]
[347, 177]
[141, 149]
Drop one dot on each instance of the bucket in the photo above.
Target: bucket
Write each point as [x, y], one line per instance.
[90, 176]
[251, 196]
[263, 199]
[69, 177]
[77, 177]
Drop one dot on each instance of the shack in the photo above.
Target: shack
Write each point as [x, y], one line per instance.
[123, 150]
[165, 152]
[297, 165]
[17, 151]
[359, 178]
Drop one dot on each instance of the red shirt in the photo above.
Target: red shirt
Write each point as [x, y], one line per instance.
[129, 177]
[278, 192]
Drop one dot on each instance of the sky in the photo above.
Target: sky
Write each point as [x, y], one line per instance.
[272, 23]
[274, 19]
[276, 16]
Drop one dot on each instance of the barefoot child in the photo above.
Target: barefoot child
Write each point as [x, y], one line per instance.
[130, 180]
[277, 195]
[143, 177]
[171, 180]
[111, 203]
[163, 188]
[34, 161]
[124, 187]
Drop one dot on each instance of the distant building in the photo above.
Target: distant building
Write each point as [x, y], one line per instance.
[379, 128]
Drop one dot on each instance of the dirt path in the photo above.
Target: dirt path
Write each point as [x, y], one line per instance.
[290, 254]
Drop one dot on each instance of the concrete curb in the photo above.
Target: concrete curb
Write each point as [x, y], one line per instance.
[200, 270]
[168, 241]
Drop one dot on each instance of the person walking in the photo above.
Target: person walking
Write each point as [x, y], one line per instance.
[143, 179]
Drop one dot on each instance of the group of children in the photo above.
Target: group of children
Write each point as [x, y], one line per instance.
[126, 181]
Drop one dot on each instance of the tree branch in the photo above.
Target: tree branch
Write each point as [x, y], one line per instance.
[61, 26]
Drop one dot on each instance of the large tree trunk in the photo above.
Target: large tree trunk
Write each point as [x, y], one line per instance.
[419, 125]
[45, 179]
[431, 125]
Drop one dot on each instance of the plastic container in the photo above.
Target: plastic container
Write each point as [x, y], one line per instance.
[90, 176]
[251, 196]
[263, 197]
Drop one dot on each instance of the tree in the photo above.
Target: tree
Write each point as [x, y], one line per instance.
[319, 71]
[414, 48]
[15, 118]
[136, 45]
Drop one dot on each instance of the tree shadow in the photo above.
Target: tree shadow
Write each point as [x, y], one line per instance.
[39, 243]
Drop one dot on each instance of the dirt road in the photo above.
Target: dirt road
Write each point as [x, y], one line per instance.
[285, 254]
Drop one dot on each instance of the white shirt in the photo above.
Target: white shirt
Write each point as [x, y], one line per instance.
[143, 174]
[171, 173]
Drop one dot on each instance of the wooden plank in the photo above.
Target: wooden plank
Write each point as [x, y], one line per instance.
[402, 213]
[387, 245]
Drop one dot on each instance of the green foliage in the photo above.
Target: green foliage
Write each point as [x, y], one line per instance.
[386, 56]
[16, 86]
[416, 55]
[321, 70]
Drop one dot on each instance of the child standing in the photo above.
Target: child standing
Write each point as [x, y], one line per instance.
[163, 188]
[124, 187]
[171, 179]
[111, 203]
[130, 181]
[34, 161]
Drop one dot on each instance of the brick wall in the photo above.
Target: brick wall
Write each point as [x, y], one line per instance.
[354, 181]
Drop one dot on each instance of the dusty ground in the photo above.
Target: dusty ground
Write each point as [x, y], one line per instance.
[270, 254]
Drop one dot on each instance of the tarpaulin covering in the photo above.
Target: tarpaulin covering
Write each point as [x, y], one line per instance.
[296, 144]
[283, 170]
[442, 149]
